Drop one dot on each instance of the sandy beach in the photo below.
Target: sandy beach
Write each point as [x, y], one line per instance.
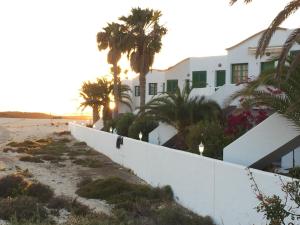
[63, 177]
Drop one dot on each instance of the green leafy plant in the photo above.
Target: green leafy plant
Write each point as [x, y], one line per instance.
[144, 124]
[124, 122]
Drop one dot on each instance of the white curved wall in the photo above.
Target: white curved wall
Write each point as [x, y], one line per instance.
[260, 141]
[206, 186]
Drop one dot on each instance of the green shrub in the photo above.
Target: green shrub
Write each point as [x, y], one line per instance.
[26, 143]
[31, 159]
[295, 172]
[12, 185]
[144, 125]
[211, 133]
[115, 190]
[95, 219]
[22, 208]
[52, 158]
[72, 205]
[84, 181]
[40, 191]
[174, 215]
[80, 144]
[92, 163]
[124, 122]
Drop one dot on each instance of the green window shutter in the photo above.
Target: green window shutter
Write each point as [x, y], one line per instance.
[266, 66]
[172, 85]
[220, 78]
[199, 79]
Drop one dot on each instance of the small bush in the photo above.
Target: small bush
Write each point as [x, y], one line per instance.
[72, 205]
[211, 134]
[92, 163]
[22, 208]
[27, 143]
[124, 122]
[80, 144]
[96, 219]
[62, 133]
[12, 186]
[84, 181]
[31, 159]
[115, 190]
[144, 125]
[40, 191]
[174, 215]
[52, 158]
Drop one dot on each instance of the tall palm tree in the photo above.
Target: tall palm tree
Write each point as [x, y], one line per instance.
[179, 110]
[91, 98]
[144, 35]
[294, 37]
[280, 95]
[112, 38]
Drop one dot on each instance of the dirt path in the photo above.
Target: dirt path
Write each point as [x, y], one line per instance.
[62, 177]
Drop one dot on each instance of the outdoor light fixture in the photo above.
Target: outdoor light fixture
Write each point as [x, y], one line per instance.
[140, 135]
[201, 148]
[110, 130]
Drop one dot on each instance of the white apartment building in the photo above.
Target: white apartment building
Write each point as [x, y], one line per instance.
[214, 76]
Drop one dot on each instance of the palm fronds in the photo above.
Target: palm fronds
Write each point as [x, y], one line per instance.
[180, 110]
[293, 38]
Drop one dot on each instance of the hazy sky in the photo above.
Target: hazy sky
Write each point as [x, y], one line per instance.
[48, 48]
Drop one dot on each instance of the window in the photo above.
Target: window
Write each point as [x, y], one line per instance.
[199, 79]
[136, 91]
[164, 88]
[172, 85]
[220, 78]
[266, 66]
[239, 72]
[152, 88]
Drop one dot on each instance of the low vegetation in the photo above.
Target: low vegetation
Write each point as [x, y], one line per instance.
[140, 204]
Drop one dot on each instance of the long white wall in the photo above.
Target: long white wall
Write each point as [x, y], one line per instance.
[206, 186]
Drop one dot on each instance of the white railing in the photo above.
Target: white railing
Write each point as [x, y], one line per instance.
[206, 186]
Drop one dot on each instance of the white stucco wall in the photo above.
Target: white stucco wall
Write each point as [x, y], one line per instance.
[206, 186]
[240, 53]
[260, 141]
[162, 134]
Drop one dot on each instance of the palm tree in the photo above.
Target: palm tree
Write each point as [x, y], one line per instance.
[280, 95]
[143, 38]
[91, 98]
[179, 110]
[98, 94]
[294, 37]
[112, 38]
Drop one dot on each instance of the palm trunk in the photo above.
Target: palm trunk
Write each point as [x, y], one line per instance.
[95, 114]
[142, 79]
[116, 96]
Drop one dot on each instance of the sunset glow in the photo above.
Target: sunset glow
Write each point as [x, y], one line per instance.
[48, 48]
